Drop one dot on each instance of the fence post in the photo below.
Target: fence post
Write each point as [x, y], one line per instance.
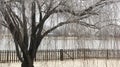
[107, 54]
[7, 55]
[84, 50]
[61, 54]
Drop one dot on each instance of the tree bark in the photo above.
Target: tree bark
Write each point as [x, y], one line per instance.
[27, 64]
[28, 60]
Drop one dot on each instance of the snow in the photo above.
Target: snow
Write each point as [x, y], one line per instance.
[57, 43]
[71, 63]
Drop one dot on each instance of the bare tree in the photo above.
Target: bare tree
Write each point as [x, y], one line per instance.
[28, 33]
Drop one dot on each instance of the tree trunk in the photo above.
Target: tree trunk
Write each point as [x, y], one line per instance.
[25, 63]
[28, 61]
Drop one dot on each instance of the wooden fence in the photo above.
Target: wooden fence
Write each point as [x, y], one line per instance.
[46, 55]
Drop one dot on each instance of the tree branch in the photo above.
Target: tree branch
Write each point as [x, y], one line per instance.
[82, 14]
[25, 32]
[4, 24]
[68, 22]
[33, 30]
[18, 51]
[89, 10]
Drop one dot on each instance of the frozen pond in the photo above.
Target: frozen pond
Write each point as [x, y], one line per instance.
[67, 43]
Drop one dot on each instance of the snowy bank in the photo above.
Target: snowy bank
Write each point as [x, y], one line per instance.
[71, 63]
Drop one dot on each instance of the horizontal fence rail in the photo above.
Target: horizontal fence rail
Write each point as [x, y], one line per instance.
[46, 55]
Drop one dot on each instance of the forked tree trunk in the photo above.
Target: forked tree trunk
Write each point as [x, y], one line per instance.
[28, 57]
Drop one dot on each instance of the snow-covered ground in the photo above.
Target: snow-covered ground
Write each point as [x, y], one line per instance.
[71, 63]
[69, 43]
